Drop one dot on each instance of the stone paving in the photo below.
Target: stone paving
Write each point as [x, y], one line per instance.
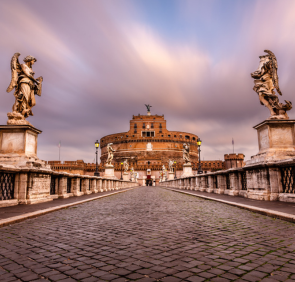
[149, 234]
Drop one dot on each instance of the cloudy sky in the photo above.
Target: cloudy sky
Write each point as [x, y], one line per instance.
[103, 60]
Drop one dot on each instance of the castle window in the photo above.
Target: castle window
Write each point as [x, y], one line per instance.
[194, 138]
[135, 125]
[148, 133]
[152, 125]
[143, 125]
[169, 135]
[174, 135]
[127, 135]
[186, 137]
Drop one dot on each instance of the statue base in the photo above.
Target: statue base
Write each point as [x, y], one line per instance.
[15, 118]
[187, 170]
[280, 117]
[171, 175]
[126, 176]
[109, 171]
[276, 140]
[18, 145]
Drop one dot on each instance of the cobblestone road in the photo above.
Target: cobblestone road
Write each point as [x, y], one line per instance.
[149, 234]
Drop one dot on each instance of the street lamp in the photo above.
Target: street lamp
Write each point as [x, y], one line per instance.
[175, 170]
[199, 142]
[96, 173]
[121, 171]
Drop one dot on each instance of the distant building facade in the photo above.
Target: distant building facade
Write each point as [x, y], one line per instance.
[147, 146]
[234, 160]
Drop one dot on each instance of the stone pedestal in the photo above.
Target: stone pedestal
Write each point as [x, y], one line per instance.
[276, 140]
[171, 175]
[187, 170]
[18, 145]
[109, 171]
[126, 176]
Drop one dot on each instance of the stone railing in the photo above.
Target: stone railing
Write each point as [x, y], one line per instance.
[265, 181]
[35, 185]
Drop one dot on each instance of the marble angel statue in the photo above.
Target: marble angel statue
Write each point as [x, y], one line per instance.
[24, 84]
[186, 148]
[110, 153]
[126, 165]
[170, 165]
[266, 81]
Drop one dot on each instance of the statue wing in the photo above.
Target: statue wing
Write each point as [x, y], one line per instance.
[275, 77]
[15, 70]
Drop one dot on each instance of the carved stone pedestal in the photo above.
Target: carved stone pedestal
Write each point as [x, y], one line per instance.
[276, 140]
[126, 176]
[187, 170]
[18, 145]
[109, 171]
[171, 176]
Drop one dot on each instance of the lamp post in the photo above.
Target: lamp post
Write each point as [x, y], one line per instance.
[121, 171]
[175, 170]
[96, 173]
[199, 142]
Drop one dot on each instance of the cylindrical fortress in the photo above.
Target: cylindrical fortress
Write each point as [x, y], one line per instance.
[148, 140]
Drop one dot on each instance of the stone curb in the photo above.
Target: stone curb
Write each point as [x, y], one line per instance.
[270, 213]
[19, 218]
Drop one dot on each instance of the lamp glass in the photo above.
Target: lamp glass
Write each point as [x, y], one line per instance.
[96, 144]
[199, 142]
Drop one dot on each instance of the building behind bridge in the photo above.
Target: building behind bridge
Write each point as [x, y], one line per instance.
[147, 146]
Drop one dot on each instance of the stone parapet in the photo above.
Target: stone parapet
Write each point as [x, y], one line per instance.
[267, 181]
[30, 185]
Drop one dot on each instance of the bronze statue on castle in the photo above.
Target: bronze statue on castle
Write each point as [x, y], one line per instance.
[266, 81]
[148, 107]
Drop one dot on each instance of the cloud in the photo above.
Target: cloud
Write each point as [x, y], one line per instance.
[101, 63]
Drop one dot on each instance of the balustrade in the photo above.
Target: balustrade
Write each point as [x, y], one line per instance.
[274, 181]
[7, 186]
[28, 186]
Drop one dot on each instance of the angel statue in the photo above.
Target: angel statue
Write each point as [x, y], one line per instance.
[185, 151]
[110, 153]
[266, 81]
[25, 88]
[148, 107]
[170, 164]
[163, 168]
[126, 165]
[131, 172]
